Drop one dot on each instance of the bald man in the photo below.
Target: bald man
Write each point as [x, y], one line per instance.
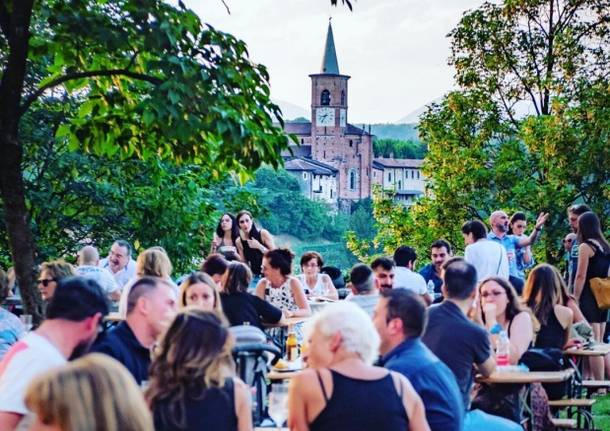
[499, 233]
[88, 260]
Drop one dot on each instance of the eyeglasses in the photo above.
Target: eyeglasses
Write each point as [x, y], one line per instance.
[568, 240]
[45, 281]
[495, 293]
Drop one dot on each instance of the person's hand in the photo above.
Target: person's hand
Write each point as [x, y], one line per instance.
[541, 220]
[573, 342]
[254, 243]
[489, 310]
[288, 314]
[216, 242]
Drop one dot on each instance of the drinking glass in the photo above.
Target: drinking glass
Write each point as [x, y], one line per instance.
[278, 404]
[26, 319]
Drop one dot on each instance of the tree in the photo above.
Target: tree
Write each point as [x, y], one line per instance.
[151, 81]
[398, 148]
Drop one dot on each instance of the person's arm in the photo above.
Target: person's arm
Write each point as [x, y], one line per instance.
[412, 403]
[329, 287]
[577, 315]
[260, 288]
[267, 239]
[427, 298]
[584, 254]
[522, 334]
[269, 313]
[524, 242]
[297, 402]
[243, 406]
[300, 299]
[487, 367]
[215, 243]
[9, 420]
[527, 256]
[240, 249]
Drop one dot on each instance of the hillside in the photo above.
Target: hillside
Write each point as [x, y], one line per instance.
[404, 132]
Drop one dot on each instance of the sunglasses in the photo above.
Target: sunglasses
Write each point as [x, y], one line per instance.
[45, 281]
[494, 294]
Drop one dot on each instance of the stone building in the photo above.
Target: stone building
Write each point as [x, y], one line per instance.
[403, 176]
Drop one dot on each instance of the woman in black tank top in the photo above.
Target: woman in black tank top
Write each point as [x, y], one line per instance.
[192, 383]
[342, 391]
[252, 243]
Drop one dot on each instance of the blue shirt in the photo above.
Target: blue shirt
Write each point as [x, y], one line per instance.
[432, 380]
[511, 244]
[429, 273]
[11, 330]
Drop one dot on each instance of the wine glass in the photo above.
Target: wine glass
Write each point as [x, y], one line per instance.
[278, 404]
[26, 319]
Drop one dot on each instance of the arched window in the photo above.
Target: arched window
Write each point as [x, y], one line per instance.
[342, 97]
[325, 98]
[352, 179]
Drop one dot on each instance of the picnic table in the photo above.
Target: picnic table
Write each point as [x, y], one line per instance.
[577, 357]
[289, 321]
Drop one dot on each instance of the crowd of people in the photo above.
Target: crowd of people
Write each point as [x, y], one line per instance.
[401, 351]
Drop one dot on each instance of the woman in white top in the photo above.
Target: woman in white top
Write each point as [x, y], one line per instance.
[316, 284]
[280, 288]
[225, 236]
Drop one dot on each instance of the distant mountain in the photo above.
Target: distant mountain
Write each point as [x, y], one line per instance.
[291, 111]
[405, 132]
[413, 117]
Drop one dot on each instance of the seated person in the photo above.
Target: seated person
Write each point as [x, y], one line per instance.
[11, 328]
[315, 283]
[199, 290]
[364, 291]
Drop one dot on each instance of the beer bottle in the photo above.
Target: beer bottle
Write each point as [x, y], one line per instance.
[292, 345]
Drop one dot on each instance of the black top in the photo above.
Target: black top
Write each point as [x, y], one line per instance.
[210, 409]
[254, 257]
[598, 267]
[243, 307]
[457, 342]
[551, 334]
[121, 343]
[361, 405]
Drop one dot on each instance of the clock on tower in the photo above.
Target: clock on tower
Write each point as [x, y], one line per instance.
[325, 117]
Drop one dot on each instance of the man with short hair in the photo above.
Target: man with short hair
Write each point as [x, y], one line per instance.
[400, 318]
[488, 257]
[499, 223]
[74, 316]
[460, 343]
[88, 261]
[364, 292]
[568, 242]
[119, 262]
[440, 252]
[405, 277]
[383, 268]
[215, 266]
[574, 212]
[151, 305]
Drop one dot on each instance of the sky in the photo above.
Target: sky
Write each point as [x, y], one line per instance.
[394, 50]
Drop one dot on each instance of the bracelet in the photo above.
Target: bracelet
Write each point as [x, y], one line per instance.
[496, 329]
[538, 229]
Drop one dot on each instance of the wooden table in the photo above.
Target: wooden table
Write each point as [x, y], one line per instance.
[596, 349]
[515, 377]
[289, 321]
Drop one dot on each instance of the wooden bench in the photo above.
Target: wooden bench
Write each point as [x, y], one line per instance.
[564, 423]
[593, 385]
[573, 402]
[579, 407]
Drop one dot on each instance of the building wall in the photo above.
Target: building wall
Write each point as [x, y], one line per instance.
[403, 179]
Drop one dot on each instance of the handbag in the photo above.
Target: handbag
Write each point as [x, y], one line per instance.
[547, 359]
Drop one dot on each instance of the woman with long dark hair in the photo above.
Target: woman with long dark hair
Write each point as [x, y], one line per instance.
[593, 261]
[225, 236]
[192, 379]
[252, 243]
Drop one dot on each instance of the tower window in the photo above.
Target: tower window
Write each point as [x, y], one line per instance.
[301, 141]
[342, 97]
[418, 175]
[352, 179]
[351, 143]
[325, 98]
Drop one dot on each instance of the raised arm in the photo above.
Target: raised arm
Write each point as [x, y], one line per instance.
[540, 221]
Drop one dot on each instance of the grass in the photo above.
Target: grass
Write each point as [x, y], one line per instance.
[601, 413]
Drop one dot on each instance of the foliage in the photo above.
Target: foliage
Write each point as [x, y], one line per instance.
[398, 149]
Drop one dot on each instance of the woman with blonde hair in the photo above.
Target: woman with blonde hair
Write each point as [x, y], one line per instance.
[199, 290]
[152, 262]
[192, 378]
[94, 392]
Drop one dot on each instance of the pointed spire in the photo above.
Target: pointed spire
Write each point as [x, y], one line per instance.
[329, 62]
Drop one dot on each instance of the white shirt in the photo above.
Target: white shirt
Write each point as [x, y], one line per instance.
[101, 275]
[27, 359]
[124, 275]
[488, 257]
[367, 302]
[404, 278]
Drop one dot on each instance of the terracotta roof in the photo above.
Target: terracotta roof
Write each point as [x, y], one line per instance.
[383, 162]
[302, 164]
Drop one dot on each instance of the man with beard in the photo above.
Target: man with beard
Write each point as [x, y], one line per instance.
[151, 306]
[440, 252]
[499, 232]
[119, 262]
[383, 267]
[74, 316]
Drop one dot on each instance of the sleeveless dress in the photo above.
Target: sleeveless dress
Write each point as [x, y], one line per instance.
[212, 409]
[253, 256]
[551, 334]
[598, 267]
[317, 290]
[281, 297]
[361, 405]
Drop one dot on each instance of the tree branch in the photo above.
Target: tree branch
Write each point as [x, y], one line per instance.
[5, 20]
[88, 74]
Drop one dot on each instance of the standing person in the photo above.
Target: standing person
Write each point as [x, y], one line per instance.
[192, 379]
[91, 393]
[574, 212]
[119, 262]
[252, 243]
[499, 233]
[488, 257]
[74, 316]
[342, 390]
[51, 273]
[405, 277]
[199, 290]
[280, 288]
[440, 252]
[364, 293]
[524, 256]
[151, 305]
[316, 284]
[400, 318]
[241, 307]
[11, 328]
[593, 261]
[461, 343]
[384, 270]
[568, 242]
[225, 236]
[88, 261]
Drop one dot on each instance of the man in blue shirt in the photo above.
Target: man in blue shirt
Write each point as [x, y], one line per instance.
[440, 252]
[499, 233]
[400, 317]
